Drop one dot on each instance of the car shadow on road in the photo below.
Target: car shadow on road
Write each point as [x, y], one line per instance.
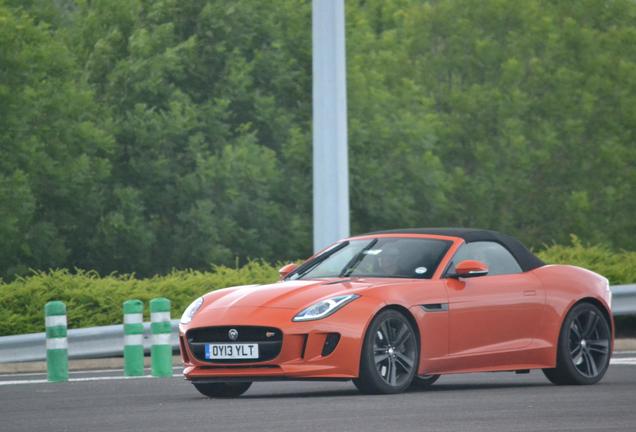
[479, 386]
[434, 389]
[304, 394]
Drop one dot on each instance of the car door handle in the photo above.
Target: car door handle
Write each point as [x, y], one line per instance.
[529, 292]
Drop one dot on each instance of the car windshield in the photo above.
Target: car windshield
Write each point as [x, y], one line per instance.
[398, 257]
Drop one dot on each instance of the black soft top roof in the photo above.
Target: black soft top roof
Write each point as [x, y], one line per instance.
[526, 259]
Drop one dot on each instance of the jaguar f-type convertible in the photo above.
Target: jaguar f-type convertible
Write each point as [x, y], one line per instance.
[397, 309]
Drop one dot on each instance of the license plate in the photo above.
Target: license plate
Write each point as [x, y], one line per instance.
[231, 351]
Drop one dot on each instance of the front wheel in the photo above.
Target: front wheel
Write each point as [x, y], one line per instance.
[583, 351]
[222, 390]
[390, 355]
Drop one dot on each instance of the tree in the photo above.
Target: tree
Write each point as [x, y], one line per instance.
[141, 135]
[55, 158]
[534, 108]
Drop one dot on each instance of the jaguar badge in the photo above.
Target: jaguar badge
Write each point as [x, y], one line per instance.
[233, 334]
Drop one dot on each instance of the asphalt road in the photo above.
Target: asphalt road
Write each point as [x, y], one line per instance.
[475, 402]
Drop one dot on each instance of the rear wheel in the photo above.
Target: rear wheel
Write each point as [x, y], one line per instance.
[222, 390]
[389, 356]
[583, 352]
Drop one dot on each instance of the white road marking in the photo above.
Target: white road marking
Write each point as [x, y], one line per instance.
[107, 378]
[72, 372]
[630, 361]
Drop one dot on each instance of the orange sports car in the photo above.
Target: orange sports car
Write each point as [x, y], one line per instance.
[397, 309]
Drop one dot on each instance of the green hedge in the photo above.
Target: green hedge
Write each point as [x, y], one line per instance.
[93, 300]
[617, 266]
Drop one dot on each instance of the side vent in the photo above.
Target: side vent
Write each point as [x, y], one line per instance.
[435, 307]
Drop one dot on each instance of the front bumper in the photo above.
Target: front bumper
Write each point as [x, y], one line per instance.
[302, 350]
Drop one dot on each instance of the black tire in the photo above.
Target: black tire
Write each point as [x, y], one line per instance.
[423, 382]
[583, 351]
[222, 390]
[390, 355]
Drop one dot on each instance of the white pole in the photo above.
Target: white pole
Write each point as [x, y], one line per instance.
[330, 159]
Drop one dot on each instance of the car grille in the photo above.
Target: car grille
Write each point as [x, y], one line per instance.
[269, 339]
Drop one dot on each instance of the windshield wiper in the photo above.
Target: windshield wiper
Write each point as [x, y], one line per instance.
[352, 264]
[306, 268]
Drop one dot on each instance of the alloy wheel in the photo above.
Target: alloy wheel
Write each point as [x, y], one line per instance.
[394, 351]
[589, 343]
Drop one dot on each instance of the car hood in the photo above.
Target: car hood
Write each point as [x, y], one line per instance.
[284, 295]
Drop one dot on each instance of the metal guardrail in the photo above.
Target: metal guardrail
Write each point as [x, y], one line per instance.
[623, 299]
[108, 341]
[90, 342]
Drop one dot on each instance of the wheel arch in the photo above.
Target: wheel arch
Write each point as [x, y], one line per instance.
[602, 306]
[596, 302]
[564, 371]
[366, 383]
[396, 307]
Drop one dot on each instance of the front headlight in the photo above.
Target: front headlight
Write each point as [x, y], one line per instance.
[324, 308]
[191, 310]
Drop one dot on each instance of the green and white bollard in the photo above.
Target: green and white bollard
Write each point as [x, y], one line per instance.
[133, 338]
[56, 342]
[161, 351]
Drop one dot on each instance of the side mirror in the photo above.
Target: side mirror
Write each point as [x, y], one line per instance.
[286, 269]
[470, 268]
